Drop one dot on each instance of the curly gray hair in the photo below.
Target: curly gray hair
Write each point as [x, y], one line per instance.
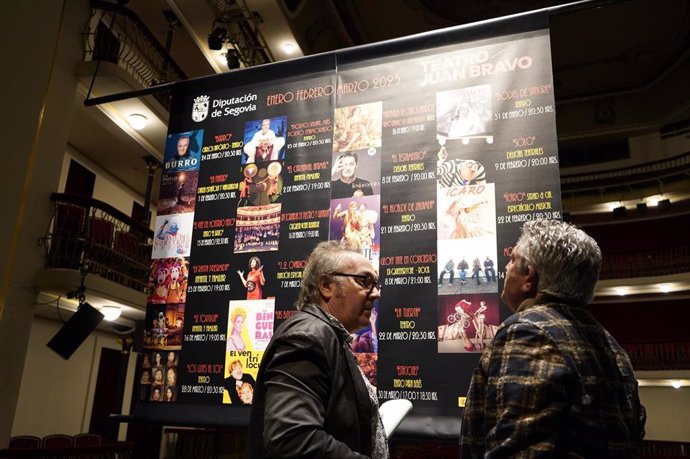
[565, 257]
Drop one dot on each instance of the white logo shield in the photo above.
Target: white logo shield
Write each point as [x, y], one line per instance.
[200, 108]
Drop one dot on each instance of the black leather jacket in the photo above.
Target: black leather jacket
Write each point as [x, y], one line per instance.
[310, 400]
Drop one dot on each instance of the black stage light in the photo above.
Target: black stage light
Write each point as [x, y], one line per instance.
[619, 211]
[664, 204]
[233, 60]
[642, 208]
[217, 38]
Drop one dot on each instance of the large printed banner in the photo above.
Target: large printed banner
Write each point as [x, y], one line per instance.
[429, 161]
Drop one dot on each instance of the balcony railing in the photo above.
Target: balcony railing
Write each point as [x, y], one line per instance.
[646, 263]
[659, 356]
[115, 34]
[666, 170]
[87, 231]
[653, 449]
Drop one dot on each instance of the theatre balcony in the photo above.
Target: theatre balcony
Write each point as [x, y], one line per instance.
[640, 217]
[87, 237]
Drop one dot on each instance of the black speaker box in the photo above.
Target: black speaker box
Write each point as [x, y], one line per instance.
[75, 330]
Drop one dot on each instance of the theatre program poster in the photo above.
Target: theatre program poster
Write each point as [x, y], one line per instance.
[429, 161]
[467, 153]
[168, 279]
[249, 331]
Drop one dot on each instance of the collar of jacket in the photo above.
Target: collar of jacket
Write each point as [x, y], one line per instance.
[316, 311]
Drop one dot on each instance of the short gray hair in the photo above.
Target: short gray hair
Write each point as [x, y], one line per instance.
[326, 258]
[566, 259]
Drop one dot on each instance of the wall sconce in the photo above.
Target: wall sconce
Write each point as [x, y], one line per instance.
[619, 211]
[642, 207]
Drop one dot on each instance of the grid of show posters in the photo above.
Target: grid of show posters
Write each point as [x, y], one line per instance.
[428, 163]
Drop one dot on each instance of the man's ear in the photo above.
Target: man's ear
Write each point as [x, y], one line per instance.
[327, 287]
[531, 282]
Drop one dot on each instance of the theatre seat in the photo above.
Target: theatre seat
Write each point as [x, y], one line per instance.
[100, 247]
[25, 442]
[87, 439]
[57, 441]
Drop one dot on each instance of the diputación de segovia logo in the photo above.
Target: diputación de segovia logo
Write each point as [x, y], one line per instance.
[200, 108]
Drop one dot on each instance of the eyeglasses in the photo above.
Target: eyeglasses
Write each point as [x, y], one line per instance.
[365, 280]
[470, 163]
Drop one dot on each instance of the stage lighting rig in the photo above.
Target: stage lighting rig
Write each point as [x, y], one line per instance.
[217, 38]
[233, 59]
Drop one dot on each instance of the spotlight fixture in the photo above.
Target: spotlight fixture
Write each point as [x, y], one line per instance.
[111, 313]
[664, 204]
[289, 48]
[619, 211]
[642, 207]
[137, 121]
[676, 384]
[233, 59]
[621, 291]
[216, 38]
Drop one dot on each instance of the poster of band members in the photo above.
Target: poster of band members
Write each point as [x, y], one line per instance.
[429, 161]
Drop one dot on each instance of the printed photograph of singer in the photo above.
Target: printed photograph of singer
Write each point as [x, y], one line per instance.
[264, 140]
[356, 173]
[254, 280]
[466, 323]
[357, 127]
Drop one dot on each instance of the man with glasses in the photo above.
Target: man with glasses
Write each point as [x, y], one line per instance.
[311, 398]
[553, 382]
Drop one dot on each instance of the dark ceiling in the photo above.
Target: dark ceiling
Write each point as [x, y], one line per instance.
[598, 47]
